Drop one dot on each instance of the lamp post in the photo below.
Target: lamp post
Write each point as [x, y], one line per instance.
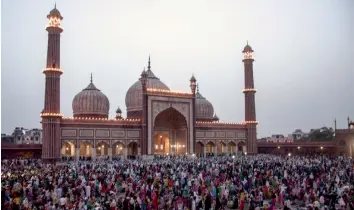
[233, 164]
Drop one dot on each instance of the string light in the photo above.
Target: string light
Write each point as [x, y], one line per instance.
[52, 70]
[219, 123]
[102, 119]
[51, 115]
[153, 90]
[251, 122]
[249, 90]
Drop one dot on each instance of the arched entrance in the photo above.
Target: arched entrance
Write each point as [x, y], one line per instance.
[133, 148]
[102, 149]
[162, 144]
[199, 148]
[117, 149]
[85, 149]
[241, 147]
[210, 147]
[221, 147]
[231, 147]
[173, 123]
[68, 149]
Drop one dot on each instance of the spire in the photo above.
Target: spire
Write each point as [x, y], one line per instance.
[91, 86]
[143, 73]
[55, 5]
[247, 42]
[197, 87]
[149, 64]
[335, 124]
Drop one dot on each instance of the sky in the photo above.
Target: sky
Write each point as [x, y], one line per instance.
[303, 69]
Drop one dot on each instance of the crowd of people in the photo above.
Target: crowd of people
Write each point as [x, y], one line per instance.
[180, 182]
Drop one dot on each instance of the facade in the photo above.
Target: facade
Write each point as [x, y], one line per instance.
[27, 136]
[22, 143]
[299, 134]
[7, 139]
[159, 121]
[318, 141]
[22, 135]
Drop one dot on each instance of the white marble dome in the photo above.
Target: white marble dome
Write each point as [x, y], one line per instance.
[90, 102]
[134, 99]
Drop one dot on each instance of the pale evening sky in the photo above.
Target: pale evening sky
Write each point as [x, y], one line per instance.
[304, 53]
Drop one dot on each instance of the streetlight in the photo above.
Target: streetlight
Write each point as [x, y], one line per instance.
[233, 163]
[289, 154]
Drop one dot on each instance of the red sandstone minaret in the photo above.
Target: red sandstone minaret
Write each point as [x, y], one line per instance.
[51, 113]
[250, 104]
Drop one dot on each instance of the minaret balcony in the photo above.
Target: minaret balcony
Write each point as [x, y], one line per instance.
[51, 115]
[251, 122]
[53, 70]
[247, 90]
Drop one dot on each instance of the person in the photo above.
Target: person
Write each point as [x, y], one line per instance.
[194, 183]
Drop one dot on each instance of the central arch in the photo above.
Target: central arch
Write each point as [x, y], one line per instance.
[170, 133]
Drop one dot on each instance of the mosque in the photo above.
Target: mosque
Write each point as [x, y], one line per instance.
[158, 121]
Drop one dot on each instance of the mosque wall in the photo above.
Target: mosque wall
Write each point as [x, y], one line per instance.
[218, 134]
[94, 136]
[220, 140]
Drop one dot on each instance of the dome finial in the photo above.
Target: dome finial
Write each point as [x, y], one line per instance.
[55, 5]
[149, 64]
[91, 80]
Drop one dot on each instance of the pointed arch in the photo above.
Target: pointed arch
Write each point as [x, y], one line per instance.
[68, 149]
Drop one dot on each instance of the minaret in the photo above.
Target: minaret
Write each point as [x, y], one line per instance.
[250, 104]
[193, 86]
[51, 113]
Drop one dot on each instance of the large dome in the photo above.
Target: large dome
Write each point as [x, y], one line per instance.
[134, 99]
[91, 102]
[204, 109]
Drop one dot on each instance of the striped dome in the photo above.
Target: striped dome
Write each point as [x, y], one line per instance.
[204, 109]
[90, 102]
